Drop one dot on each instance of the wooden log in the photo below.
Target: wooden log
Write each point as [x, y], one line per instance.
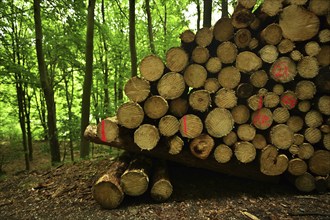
[191, 126]
[295, 123]
[107, 190]
[175, 144]
[313, 119]
[296, 2]
[306, 151]
[246, 132]
[146, 136]
[222, 153]
[168, 125]
[271, 7]
[219, 122]
[298, 139]
[271, 100]
[305, 182]
[187, 37]
[305, 90]
[201, 146]
[212, 85]
[179, 107]
[255, 102]
[125, 141]
[200, 100]
[245, 152]
[137, 89]
[326, 141]
[278, 89]
[247, 3]
[281, 115]
[242, 18]
[229, 77]
[151, 68]
[285, 46]
[262, 118]
[268, 53]
[259, 141]
[230, 139]
[227, 52]
[294, 149]
[324, 37]
[242, 38]
[155, 107]
[297, 167]
[130, 115]
[108, 130]
[225, 98]
[171, 85]
[319, 163]
[200, 55]
[204, 36]
[223, 30]
[281, 136]
[244, 90]
[312, 48]
[176, 59]
[323, 104]
[304, 106]
[213, 65]
[305, 29]
[319, 7]
[195, 75]
[288, 100]
[325, 128]
[272, 34]
[283, 70]
[296, 55]
[323, 55]
[161, 187]
[308, 67]
[321, 183]
[135, 180]
[313, 135]
[271, 162]
[240, 114]
[247, 61]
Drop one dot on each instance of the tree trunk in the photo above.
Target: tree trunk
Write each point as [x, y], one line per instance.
[207, 13]
[88, 79]
[132, 44]
[47, 88]
[224, 9]
[150, 34]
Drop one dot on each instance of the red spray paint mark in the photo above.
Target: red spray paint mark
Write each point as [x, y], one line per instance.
[281, 70]
[289, 101]
[261, 119]
[103, 138]
[185, 125]
[260, 102]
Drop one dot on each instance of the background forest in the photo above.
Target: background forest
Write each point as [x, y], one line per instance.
[63, 64]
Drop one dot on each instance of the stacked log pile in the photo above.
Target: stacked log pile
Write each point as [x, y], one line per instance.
[248, 97]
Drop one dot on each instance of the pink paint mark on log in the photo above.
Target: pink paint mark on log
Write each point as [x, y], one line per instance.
[185, 125]
[281, 70]
[103, 138]
[260, 102]
[289, 101]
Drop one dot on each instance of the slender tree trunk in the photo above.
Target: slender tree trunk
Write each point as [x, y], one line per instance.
[151, 36]
[47, 88]
[132, 44]
[27, 108]
[87, 87]
[41, 112]
[224, 8]
[198, 14]
[68, 97]
[207, 13]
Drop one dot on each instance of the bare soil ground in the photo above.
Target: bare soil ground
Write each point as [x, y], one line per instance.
[64, 192]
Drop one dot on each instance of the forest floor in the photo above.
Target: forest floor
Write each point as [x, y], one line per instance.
[64, 192]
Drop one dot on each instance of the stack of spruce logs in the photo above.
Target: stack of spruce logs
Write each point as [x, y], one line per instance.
[247, 97]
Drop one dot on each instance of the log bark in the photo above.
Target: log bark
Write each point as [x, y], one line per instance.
[130, 115]
[135, 180]
[125, 141]
[171, 85]
[155, 107]
[176, 59]
[152, 68]
[298, 24]
[146, 137]
[107, 190]
[201, 146]
[161, 188]
[137, 89]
